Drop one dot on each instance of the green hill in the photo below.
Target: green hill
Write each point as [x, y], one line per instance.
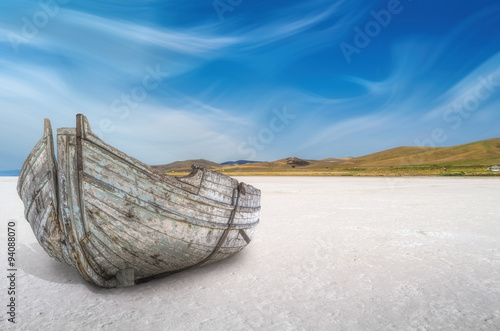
[467, 159]
[486, 152]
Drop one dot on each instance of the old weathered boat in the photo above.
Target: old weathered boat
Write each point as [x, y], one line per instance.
[120, 222]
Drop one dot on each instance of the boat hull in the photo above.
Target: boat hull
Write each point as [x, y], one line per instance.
[127, 223]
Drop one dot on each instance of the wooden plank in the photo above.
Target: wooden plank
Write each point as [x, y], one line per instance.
[152, 225]
[102, 162]
[141, 189]
[161, 208]
[37, 187]
[70, 208]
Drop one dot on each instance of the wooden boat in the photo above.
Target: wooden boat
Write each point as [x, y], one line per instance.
[120, 222]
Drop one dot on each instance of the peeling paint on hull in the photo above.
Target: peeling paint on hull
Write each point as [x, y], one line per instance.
[118, 221]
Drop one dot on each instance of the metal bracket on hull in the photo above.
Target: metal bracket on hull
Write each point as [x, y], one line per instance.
[125, 277]
[245, 236]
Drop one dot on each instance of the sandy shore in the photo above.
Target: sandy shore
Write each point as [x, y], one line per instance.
[330, 254]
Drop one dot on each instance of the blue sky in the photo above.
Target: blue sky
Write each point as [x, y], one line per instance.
[238, 79]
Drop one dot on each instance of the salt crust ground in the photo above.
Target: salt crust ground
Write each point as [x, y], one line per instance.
[329, 254]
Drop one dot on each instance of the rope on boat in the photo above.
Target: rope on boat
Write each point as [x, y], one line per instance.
[241, 191]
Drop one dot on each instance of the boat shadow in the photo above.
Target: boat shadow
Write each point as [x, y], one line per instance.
[34, 261]
[182, 282]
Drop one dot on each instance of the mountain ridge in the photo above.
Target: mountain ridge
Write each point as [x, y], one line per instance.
[479, 153]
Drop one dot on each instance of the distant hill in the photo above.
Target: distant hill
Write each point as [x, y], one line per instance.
[333, 159]
[10, 172]
[239, 162]
[485, 152]
[477, 155]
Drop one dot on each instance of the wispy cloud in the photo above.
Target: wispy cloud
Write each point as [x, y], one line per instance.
[225, 78]
[484, 80]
